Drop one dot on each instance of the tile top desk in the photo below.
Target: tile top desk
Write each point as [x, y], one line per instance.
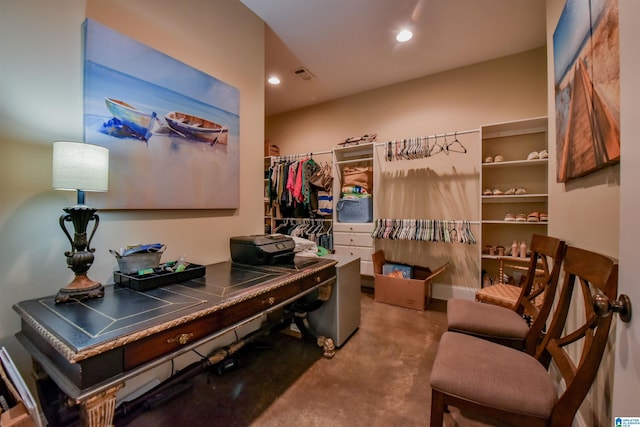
[90, 348]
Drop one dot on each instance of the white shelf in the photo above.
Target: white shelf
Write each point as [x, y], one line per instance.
[512, 140]
[520, 198]
[518, 127]
[515, 163]
[358, 160]
[501, 221]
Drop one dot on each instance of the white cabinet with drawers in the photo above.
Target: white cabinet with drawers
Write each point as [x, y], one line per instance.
[354, 240]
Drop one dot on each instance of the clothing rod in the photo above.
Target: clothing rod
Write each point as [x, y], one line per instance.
[439, 135]
[304, 154]
[364, 159]
[421, 219]
[303, 219]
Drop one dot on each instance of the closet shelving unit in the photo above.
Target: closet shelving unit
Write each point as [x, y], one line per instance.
[352, 239]
[514, 141]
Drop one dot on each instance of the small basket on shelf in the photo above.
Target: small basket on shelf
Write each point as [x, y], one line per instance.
[139, 258]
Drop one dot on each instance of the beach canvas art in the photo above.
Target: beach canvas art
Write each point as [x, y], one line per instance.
[587, 87]
[173, 132]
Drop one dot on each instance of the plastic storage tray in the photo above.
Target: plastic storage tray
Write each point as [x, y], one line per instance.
[355, 210]
[153, 280]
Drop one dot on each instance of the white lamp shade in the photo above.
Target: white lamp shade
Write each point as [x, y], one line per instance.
[80, 166]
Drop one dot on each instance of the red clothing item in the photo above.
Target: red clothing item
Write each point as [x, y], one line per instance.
[297, 189]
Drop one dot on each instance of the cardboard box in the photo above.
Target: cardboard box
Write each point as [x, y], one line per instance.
[16, 417]
[414, 293]
[23, 411]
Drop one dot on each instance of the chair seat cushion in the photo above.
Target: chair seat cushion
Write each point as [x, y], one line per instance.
[492, 375]
[485, 320]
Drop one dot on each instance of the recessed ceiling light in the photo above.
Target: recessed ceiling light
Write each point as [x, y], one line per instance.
[404, 35]
[274, 80]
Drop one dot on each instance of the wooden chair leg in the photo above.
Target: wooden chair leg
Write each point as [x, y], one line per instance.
[437, 408]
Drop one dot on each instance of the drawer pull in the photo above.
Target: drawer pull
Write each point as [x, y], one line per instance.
[269, 301]
[182, 339]
[318, 279]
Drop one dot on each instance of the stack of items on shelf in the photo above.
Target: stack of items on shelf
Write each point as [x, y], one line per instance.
[322, 181]
[357, 140]
[356, 203]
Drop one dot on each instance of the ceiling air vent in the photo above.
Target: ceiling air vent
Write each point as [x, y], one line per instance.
[303, 74]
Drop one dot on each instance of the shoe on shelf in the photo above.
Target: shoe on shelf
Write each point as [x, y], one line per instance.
[510, 192]
[521, 217]
[497, 192]
[488, 159]
[498, 158]
[509, 217]
[487, 192]
[544, 217]
[500, 250]
[489, 250]
[544, 154]
[521, 190]
[533, 156]
[533, 217]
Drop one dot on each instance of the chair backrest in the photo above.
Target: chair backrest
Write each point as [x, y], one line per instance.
[594, 274]
[540, 282]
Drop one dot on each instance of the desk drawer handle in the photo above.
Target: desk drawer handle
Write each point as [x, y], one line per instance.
[269, 301]
[182, 339]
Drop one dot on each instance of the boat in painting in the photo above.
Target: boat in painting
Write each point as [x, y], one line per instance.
[194, 127]
[138, 122]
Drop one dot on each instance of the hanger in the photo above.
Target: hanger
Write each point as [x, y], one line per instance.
[433, 147]
[460, 148]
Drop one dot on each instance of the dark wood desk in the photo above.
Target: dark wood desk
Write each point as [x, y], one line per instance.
[90, 348]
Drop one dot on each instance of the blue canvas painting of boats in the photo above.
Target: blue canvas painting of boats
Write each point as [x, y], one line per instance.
[172, 130]
[197, 128]
[135, 123]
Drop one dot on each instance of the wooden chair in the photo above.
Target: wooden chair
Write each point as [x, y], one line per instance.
[507, 326]
[514, 387]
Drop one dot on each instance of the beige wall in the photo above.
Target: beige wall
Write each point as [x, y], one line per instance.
[442, 187]
[41, 101]
[584, 212]
[504, 89]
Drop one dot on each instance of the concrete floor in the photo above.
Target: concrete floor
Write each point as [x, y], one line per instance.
[379, 377]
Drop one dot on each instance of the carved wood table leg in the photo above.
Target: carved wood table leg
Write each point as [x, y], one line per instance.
[98, 410]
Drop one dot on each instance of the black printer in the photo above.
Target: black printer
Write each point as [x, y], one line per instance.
[262, 249]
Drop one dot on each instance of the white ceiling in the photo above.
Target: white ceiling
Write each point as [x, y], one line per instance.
[349, 45]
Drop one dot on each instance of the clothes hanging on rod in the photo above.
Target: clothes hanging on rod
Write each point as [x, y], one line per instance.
[424, 146]
[429, 230]
[292, 184]
[317, 230]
